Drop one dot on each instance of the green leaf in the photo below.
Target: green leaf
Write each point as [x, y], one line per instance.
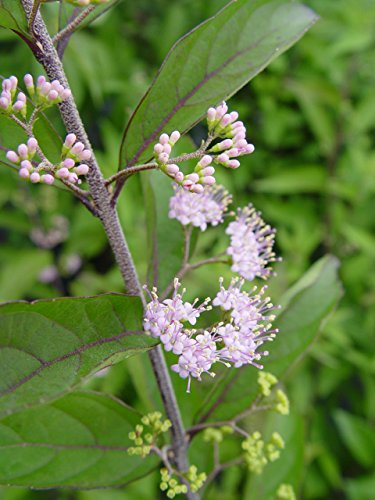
[305, 306]
[79, 441]
[48, 347]
[210, 64]
[13, 17]
[306, 179]
[165, 236]
[358, 435]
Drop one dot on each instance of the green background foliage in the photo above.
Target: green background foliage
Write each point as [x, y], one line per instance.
[311, 115]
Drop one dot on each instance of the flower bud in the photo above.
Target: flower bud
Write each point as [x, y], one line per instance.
[70, 139]
[4, 102]
[13, 157]
[208, 180]
[193, 177]
[63, 173]
[45, 88]
[32, 144]
[167, 148]
[78, 148]
[53, 95]
[172, 169]
[211, 114]
[24, 173]
[164, 139]
[40, 80]
[197, 188]
[158, 148]
[223, 158]
[35, 177]
[23, 151]
[73, 178]
[26, 164]
[233, 164]
[174, 137]
[205, 161]
[68, 163]
[208, 171]
[48, 179]
[179, 176]
[82, 170]
[85, 155]
[163, 157]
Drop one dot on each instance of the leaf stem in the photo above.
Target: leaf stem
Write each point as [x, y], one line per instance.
[73, 24]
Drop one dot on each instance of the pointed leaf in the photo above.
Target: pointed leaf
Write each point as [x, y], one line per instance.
[12, 16]
[48, 347]
[211, 63]
[80, 441]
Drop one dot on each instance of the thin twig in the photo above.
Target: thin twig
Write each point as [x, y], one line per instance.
[221, 467]
[130, 171]
[122, 175]
[73, 25]
[186, 267]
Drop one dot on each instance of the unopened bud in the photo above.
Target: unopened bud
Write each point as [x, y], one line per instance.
[24, 173]
[81, 169]
[35, 177]
[48, 179]
[13, 157]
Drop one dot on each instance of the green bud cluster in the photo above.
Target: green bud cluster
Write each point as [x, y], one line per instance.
[216, 435]
[195, 480]
[170, 484]
[145, 440]
[266, 381]
[282, 402]
[258, 453]
[285, 492]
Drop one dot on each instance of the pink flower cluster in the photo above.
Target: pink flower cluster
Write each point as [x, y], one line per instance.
[8, 103]
[251, 244]
[226, 125]
[234, 342]
[45, 93]
[43, 171]
[199, 209]
[195, 181]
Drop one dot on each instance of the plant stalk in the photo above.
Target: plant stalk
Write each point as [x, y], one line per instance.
[46, 54]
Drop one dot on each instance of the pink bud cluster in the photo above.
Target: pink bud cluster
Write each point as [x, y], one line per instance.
[23, 157]
[199, 209]
[195, 181]
[226, 125]
[70, 168]
[232, 342]
[45, 93]
[9, 103]
[251, 244]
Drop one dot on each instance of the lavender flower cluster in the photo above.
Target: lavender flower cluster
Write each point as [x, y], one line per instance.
[246, 322]
[234, 341]
[199, 209]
